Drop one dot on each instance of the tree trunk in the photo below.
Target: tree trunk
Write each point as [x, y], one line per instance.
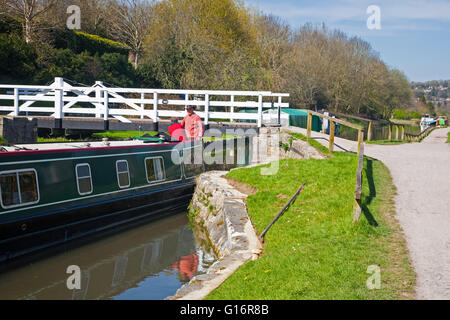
[27, 30]
[133, 58]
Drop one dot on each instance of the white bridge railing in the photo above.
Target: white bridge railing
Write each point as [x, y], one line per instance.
[99, 101]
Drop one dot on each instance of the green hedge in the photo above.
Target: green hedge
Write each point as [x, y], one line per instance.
[95, 44]
[79, 42]
[405, 114]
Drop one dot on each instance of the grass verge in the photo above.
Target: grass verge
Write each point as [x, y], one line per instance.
[448, 137]
[387, 142]
[314, 251]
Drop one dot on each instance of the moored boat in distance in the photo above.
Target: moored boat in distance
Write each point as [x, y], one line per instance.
[427, 121]
[54, 193]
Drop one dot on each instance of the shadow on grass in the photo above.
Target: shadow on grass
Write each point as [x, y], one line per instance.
[318, 138]
[372, 194]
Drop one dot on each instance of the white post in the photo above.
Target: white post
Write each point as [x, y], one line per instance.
[186, 98]
[98, 97]
[279, 111]
[59, 95]
[206, 109]
[16, 102]
[106, 105]
[142, 105]
[260, 110]
[155, 107]
[232, 109]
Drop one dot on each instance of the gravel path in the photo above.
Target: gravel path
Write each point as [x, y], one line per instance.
[421, 174]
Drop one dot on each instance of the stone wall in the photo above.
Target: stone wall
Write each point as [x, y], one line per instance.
[219, 210]
[274, 143]
[18, 130]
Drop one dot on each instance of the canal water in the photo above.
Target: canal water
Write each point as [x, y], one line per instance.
[148, 262]
[379, 131]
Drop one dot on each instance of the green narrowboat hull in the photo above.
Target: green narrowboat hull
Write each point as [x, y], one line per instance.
[68, 201]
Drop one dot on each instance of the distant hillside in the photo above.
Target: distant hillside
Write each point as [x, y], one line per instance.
[436, 92]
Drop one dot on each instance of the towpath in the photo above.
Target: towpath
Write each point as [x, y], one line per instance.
[421, 174]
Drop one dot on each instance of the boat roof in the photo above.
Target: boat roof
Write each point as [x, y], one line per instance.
[81, 145]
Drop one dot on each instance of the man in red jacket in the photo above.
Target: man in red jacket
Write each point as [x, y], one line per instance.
[193, 125]
[176, 130]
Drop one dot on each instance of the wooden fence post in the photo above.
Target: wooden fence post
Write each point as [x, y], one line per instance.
[155, 107]
[396, 132]
[142, 105]
[105, 105]
[232, 109]
[260, 111]
[16, 102]
[331, 145]
[206, 109]
[59, 96]
[357, 209]
[390, 132]
[98, 97]
[369, 131]
[403, 132]
[360, 140]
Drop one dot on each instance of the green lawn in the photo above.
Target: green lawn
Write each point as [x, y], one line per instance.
[448, 137]
[314, 251]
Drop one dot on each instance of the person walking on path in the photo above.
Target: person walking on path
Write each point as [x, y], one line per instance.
[192, 124]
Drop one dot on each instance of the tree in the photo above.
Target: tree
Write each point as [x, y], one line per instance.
[28, 11]
[129, 22]
[276, 49]
[215, 40]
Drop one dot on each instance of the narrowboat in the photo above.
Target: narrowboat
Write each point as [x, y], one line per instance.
[427, 121]
[54, 193]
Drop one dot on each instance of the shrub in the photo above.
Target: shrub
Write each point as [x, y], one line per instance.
[54, 63]
[415, 115]
[405, 115]
[146, 76]
[10, 25]
[117, 70]
[17, 57]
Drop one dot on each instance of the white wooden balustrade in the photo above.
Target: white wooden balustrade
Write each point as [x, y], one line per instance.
[61, 98]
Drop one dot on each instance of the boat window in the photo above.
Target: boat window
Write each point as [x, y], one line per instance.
[19, 188]
[123, 174]
[84, 179]
[155, 169]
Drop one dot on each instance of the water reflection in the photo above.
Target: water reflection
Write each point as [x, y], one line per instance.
[148, 262]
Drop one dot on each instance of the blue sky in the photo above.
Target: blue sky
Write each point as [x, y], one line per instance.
[414, 35]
